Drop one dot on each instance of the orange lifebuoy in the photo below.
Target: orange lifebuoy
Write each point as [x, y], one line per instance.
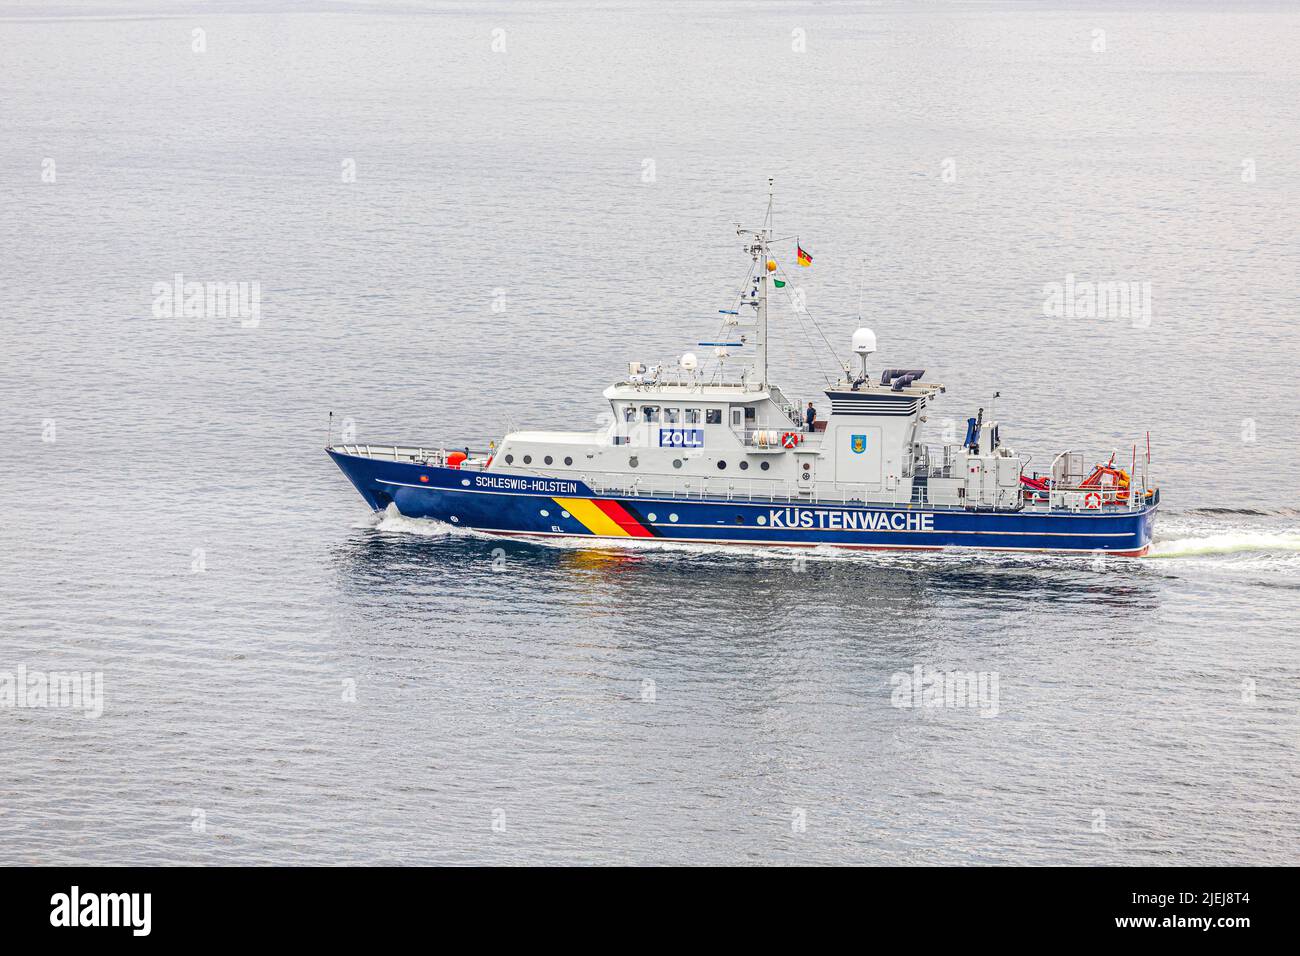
[455, 458]
[789, 439]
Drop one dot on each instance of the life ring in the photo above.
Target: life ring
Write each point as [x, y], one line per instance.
[1092, 500]
[789, 439]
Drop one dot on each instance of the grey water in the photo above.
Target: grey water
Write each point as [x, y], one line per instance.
[466, 217]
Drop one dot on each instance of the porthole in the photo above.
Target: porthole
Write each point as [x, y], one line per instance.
[455, 520]
[545, 513]
[633, 461]
[465, 482]
[722, 466]
[744, 466]
[762, 520]
[510, 459]
[677, 463]
[568, 460]
[765, 465]
[672, 518]
[528, 459]
[807, 467]
[564, 514]
[549, 460]
[652, 517]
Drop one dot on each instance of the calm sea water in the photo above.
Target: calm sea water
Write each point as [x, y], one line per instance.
[287, 679]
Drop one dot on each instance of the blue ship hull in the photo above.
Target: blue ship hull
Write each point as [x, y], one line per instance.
[515, 505]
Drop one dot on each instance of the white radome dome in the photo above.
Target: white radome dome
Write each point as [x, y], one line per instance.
[689, 362]
[864, 341]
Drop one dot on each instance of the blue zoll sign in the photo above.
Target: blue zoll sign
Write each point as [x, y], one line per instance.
[681, 438]
[851, 520]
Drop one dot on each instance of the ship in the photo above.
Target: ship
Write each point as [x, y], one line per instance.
[711, 451]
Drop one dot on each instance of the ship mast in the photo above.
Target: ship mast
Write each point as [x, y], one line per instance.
[758, 248]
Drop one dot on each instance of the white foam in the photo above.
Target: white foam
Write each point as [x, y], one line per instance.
[392, 521]
[1225, 542]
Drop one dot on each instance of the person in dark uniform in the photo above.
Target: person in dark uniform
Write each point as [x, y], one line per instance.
[811, 416]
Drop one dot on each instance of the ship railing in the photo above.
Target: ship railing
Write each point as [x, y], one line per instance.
[698, 383]
[920, 464]
[773, 436]
[416, 454]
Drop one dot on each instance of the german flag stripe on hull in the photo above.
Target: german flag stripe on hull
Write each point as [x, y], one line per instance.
[606, 517]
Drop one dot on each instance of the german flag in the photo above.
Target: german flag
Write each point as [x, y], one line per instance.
[606, 518]
[803, 258]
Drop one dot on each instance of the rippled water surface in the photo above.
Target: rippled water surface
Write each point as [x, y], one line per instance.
[171, 522]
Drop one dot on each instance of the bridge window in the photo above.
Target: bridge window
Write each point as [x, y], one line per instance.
[629, 413]
[670, 414]
[713, 416]
[692, 416]
[650, 413]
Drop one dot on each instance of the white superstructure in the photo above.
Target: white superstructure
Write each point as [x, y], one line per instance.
[724, 426]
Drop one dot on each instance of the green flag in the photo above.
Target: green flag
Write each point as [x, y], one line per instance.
[778, 283]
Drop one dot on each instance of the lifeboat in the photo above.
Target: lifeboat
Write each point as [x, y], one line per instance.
[1105, 477]
[1035, 488]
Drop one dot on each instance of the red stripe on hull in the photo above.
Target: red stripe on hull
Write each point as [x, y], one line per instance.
[1140, 553]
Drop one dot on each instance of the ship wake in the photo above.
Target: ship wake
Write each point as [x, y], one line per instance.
[1225, 542]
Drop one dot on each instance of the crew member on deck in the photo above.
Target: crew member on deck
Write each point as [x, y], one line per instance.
[811, 416]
